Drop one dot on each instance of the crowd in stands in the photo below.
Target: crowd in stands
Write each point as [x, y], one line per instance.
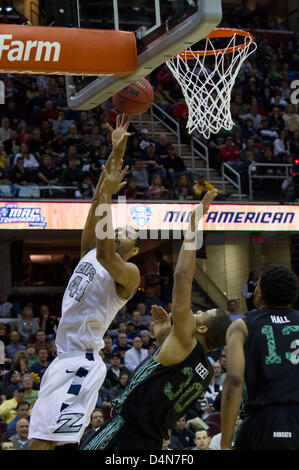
[49, 150]
[28, 332]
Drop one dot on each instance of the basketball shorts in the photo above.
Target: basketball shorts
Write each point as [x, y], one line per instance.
[275, 427]
[67, 396]
[118, 434]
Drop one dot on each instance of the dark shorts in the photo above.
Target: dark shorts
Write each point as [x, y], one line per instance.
[117, 434]
[274, 427]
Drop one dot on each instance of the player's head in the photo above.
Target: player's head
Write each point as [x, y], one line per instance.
[277, 288]
[127, 242]
[211, 327]
[202, 439]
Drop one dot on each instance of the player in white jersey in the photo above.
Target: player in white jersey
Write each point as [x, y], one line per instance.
[100, 285]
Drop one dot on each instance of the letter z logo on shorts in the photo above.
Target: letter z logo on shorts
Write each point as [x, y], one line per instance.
[70, 419]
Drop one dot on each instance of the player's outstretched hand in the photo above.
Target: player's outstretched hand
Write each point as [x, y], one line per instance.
[208, 199]
[112, 182]
[160, 316]
[120, 134]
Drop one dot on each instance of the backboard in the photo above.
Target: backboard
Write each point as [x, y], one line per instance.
[162, 28]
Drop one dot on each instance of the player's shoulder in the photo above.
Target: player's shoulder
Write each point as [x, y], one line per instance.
[238, 326]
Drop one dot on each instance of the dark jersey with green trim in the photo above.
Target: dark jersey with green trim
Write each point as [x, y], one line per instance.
[157, 396]
[272, 358]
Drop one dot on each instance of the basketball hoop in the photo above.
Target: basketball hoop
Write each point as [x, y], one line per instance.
[208, 76]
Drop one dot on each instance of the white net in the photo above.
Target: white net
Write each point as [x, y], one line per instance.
[207, 79]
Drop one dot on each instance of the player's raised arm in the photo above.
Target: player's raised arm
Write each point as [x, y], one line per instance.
[115, 249]
[231, 395]
[182, 316]
[119, 141]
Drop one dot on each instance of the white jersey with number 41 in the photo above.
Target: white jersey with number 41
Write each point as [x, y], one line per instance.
[89, 305]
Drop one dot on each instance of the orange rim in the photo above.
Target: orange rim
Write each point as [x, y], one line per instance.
[219, 33]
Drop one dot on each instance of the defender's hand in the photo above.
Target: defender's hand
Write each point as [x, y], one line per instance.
[160, 316]
[119, 135]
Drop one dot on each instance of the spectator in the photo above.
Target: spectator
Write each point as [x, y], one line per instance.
[4, 160]
[136, 355]
[131, 191]
[12, 145]
[61, 123]
[36, 146]
[140, 174]
[145, 140]
[248, 290]
[175, 165]
[30, 394]
[291, 118]
[42, 364]
[49, 112]
[47, 173]
[131, 332]
[147, 341]
[20, 362]
[183, 436]
[39, 340]
[250, 147]
[4, 130]
[275, 119]
[122, 345]
[6, 444]
[153, 162]
[202, 440]
[232, 310]
[14, 379]
[120, 387]
[59, 147]
[230, 154]
[27, 325]
[137, 321]
[96, 420]
[19, 174]
[156, 189]
[15, 345]
[108, 348]
[123, 315]
[23, 410]
[145, 318]
[162, 146]
[4, 337]
[162, 97]
[30, 161]
[20, 439]
[72, 175]
[113, 373]
[6, 308]
[222, 360]
[201, 187]
[96, 138]
[183, 188]
[8, 407]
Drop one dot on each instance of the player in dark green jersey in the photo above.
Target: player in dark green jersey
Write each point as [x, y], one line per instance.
[165, 385]
[263, 350]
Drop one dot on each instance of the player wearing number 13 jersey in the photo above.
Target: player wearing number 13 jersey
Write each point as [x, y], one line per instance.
[100, 285]
[264, 347]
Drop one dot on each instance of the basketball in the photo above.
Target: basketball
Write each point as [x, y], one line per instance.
[135, 98]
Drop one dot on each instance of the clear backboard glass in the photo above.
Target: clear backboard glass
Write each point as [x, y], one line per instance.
[162, 28]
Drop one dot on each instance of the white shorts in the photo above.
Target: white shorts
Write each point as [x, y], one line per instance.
[67, 397]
